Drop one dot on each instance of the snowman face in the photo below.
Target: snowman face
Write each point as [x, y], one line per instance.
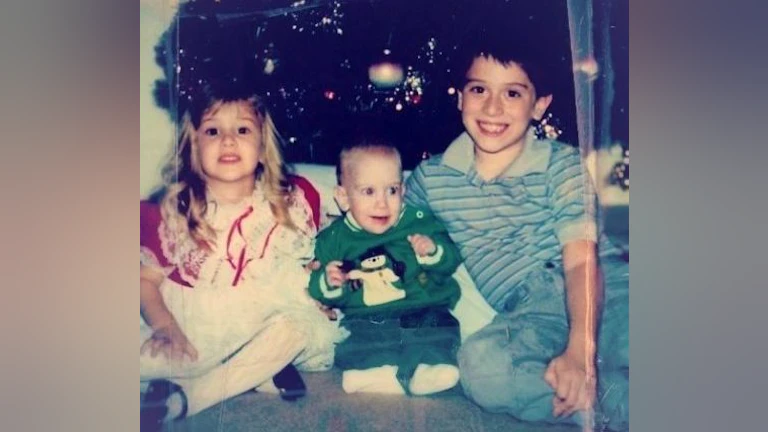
[373, 262]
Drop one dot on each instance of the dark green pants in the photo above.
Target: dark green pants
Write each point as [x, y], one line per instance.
[428, 336]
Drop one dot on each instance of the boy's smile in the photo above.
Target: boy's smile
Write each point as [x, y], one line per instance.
[492, 129]
[497, 105]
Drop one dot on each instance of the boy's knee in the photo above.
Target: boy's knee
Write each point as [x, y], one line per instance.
[482, 354]
[486, 372]
[493, 376]
[491, 394]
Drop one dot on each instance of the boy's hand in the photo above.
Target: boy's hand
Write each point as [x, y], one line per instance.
[573, 382]
[422, 244]
[170, 341]
[334, 276]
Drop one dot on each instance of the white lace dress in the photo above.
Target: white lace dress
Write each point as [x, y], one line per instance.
[254, 272]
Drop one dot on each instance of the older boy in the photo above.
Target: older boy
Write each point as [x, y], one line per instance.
[387, 267]
[523, 213]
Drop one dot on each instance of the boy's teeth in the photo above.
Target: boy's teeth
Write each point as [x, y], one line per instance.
[492, 128]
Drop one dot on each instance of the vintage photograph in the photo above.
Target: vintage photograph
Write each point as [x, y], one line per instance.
[384, 215]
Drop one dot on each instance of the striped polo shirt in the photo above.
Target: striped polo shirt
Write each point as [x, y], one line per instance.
[515, 223]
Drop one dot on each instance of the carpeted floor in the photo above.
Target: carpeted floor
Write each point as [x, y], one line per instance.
[327, 408]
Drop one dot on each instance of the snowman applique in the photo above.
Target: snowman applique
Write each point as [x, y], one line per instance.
[377, 277]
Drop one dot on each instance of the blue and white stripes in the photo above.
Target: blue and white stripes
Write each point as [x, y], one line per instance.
[510, 225]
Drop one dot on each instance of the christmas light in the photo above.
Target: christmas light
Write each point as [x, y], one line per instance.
[620, 172]
[321, 70]
[269, 66]
[328, 18]
[547, 128]
[385, 74]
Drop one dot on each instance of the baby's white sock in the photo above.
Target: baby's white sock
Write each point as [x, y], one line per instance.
[380, 379]
[429, 379]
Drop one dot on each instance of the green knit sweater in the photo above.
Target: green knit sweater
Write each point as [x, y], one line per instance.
[387, 274]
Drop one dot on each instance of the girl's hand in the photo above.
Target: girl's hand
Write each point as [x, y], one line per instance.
[422, 244]
[170, 341]
[330, 313]
[333, 275]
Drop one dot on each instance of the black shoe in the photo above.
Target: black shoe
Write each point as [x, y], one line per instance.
[154, 406]
[151, 418]
[290, 384]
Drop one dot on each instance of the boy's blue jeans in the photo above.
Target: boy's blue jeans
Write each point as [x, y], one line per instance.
[502, 365]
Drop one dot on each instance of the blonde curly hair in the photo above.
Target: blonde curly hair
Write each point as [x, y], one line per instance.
[185, 203]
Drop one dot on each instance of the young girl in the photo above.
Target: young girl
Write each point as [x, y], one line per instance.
[223, 288]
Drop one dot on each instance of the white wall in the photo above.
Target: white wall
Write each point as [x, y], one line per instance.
[156, 129]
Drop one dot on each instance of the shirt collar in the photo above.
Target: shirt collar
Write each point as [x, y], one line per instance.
[534, 157]
[353, 225]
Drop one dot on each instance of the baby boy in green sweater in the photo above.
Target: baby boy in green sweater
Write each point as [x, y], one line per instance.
[388, 267]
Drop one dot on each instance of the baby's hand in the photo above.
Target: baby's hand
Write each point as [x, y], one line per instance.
[422, 244]
[312, 266]
[171, 342]
[334, 276]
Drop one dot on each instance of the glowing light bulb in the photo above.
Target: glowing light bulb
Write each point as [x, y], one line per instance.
[385, 74]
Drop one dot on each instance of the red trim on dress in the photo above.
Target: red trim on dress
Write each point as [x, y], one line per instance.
[241, 262]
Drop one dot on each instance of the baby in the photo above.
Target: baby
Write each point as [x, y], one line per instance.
[387, 266]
